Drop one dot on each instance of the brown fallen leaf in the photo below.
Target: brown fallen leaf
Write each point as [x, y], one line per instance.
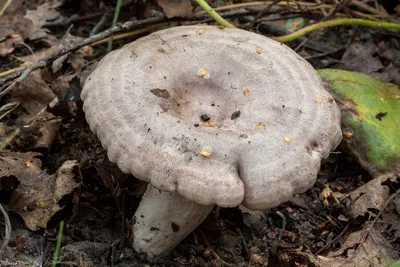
[34, 95]
[36, 195]
[43, 13]
[369, 197]
[14, 27]
[176, 8]
[362, 248]
[74, 58]
[362, 58]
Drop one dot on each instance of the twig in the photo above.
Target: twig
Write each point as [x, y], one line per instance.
[6, 73]
[334, 23]
[323, 10]
[214, 14]
[131, 34]
[13, 105]
[244, 243]
[48, 60]
[265, 3]
[366, 7]
[327, 245]
[104, 19]
[78, 19]
[336, 9]
[208, 244]
[395, 194]
[39, 64]
[7, 234]
[263, 12]
[227, 14]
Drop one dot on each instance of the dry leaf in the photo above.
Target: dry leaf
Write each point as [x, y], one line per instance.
[36, 194]
[34, 95]
[14, 26]
[360, 248]
[371, 196]
[176, 8]
[43, 13]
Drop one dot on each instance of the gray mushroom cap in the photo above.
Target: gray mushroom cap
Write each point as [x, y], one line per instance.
[274, 121]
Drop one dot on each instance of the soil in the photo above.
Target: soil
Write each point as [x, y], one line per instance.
[97, 213]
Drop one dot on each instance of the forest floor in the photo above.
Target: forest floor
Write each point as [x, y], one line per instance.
[45, 138]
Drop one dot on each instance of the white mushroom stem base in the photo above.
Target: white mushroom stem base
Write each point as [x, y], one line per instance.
[164, 219]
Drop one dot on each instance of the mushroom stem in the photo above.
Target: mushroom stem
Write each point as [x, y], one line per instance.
[164, 219]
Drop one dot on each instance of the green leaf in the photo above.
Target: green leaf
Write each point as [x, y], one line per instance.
[371, 113]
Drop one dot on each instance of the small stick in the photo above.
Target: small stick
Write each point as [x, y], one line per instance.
[334, 23]
[41, 63]
[7, 234]
[104, 19]
[395, 194]
[327, 245]
[336, 9]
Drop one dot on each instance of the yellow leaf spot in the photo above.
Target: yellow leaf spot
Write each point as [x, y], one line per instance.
[246, 91]
[88, 50]
[203, 73]
[319, 101]
[259, 50]
[287, 140]
[256, 258]
[205, 154]
[325, 232]
[40, 204]
[201, 31]
[209, 124]
[260, 125]
[16, 36]
[207, 252]
[289, 209]
[348, 135]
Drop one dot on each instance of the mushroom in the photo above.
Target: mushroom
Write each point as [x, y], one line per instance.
[209, 116]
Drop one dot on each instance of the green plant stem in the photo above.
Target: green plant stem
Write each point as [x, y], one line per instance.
[214, 14]
[115, 19]
[9, 138]
[5, 7]
[334, 23]
[58, 245]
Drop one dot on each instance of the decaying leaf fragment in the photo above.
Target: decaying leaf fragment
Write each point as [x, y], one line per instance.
[362, 248]
[369, 197]
[36, 194]
[176, 8]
